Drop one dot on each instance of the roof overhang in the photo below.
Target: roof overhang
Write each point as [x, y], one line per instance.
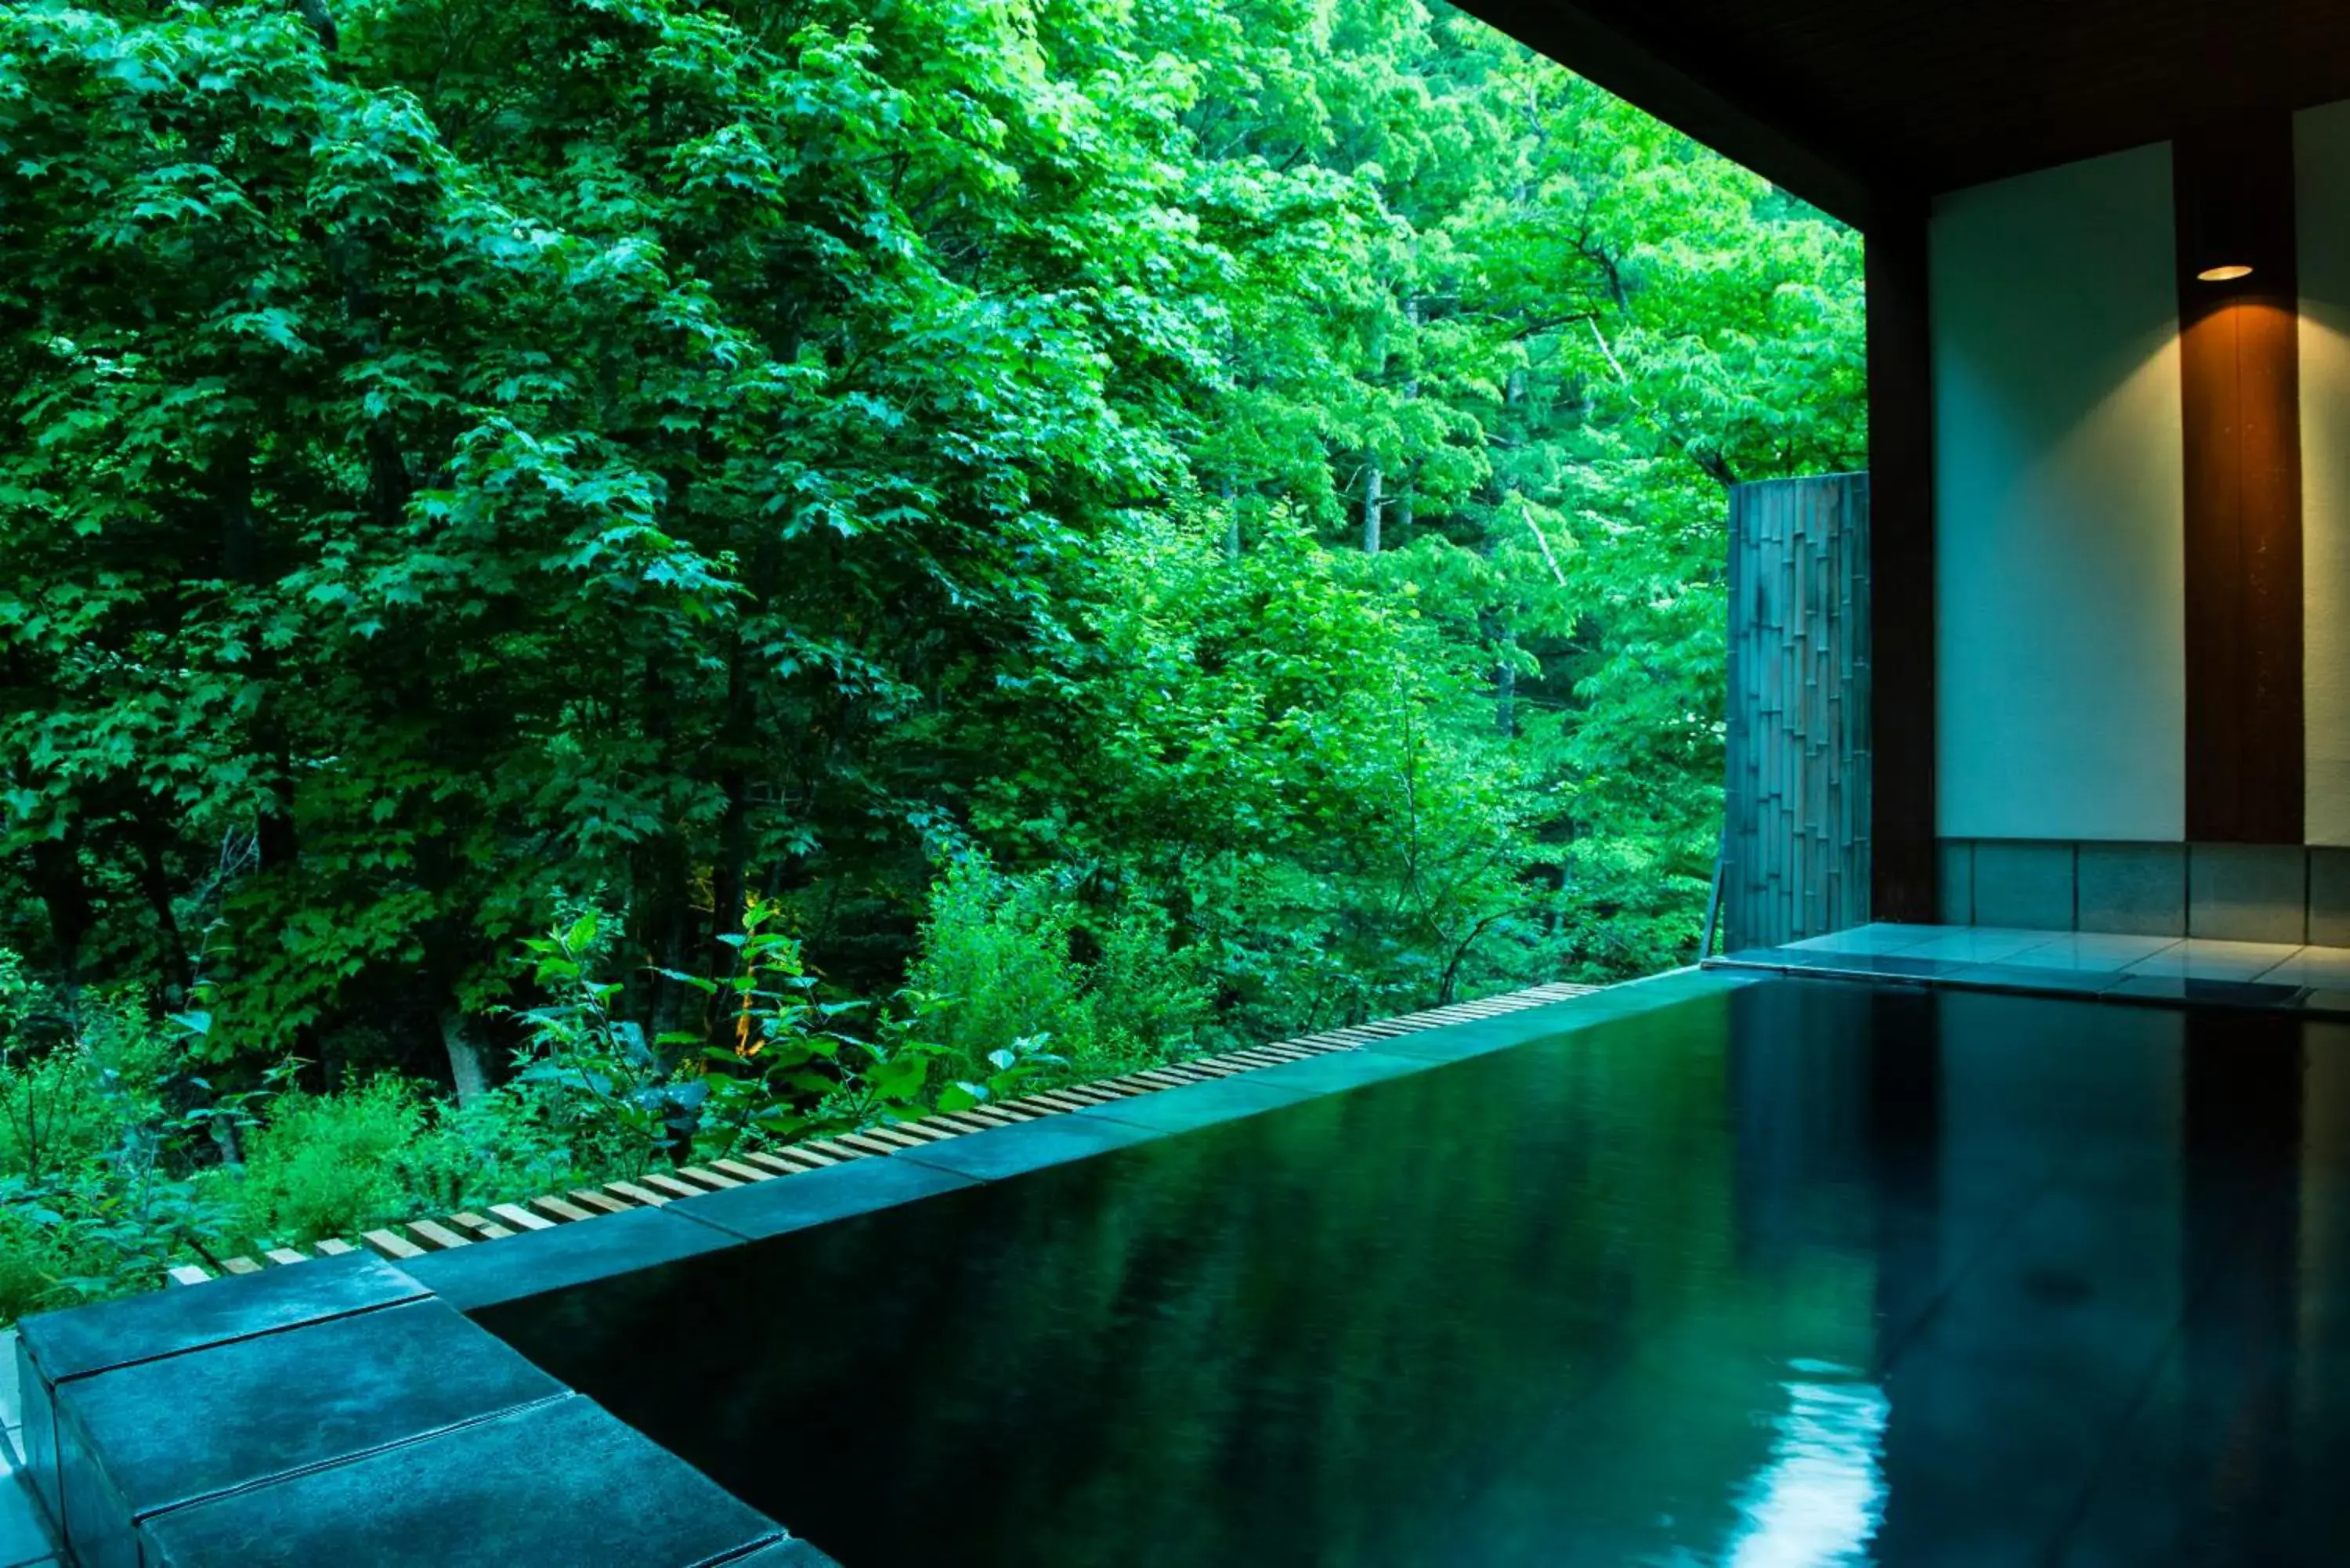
[1864, 108]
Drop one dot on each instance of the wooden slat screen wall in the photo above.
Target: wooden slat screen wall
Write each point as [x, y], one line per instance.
[1795, 859]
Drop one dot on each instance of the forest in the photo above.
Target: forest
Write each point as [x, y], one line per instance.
[592, 581]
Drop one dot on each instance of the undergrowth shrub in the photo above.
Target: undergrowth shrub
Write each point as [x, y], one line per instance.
[118, 1159]
[996, 952]
[997, 969]
[330, 1165]
[1150, 1000]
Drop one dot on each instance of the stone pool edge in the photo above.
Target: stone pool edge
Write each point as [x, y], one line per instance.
[1056, 1126]
[428, 1234]
[320, 1503]
[2120, 987]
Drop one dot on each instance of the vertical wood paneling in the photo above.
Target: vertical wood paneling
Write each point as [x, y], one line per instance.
[2239, 381]
[1796, 847]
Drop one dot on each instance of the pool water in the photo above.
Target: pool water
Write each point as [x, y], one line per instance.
[1804, 1273]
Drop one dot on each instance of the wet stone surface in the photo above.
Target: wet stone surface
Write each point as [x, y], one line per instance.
[560, 1482]
[261, 1406]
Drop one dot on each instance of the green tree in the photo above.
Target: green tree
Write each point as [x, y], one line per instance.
[1255, 468]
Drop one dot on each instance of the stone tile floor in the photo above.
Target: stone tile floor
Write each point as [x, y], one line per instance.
[2282, 975]
[23, 1539]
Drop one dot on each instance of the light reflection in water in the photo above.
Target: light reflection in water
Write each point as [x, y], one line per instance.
[1820, 1499]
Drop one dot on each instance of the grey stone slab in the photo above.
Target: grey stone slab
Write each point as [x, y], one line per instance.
[1458, 1042]
[37, 1438]
[170, 1431]
[93, 1519]
[1464, 1040]
[2099, 952]
[166, 1323]
[1200, 1104]
[2202, 992]
[2321, 1002]
[2329, 896]
[1338, 1069]
[1878, 936]
[2210, 957]
[1812, 961]
[790, 1552]
[2133, 889]
[2028, 979]
[1648, 995]
[1984, 945]
[2247, 892]
[1031, 1146]
[557, 1483]
[1954, 864]
[2026, 883]
[2325, 969]
[796, 1202]
[486, 1273]
[23, 1537]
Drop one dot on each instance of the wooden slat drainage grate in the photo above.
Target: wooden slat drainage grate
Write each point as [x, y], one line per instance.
[418, 1237]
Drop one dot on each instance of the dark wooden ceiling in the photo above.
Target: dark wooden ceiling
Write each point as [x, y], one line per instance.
[1857, 104]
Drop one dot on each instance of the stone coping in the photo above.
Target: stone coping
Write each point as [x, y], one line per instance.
[348, 1410]
[499, 1222]
[341, 1413]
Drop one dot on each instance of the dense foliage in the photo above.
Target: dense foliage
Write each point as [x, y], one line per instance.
[1096, 527]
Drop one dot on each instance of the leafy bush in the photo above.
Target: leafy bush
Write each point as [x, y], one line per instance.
[100, 1141]
[995, 953]
[33, 1259]
[329, 1165]
[1150, 1000]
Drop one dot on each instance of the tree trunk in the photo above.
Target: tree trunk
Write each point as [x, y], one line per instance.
[155, 882]
[1504, 640]
[465, 1071]
[673, 927]
[729, 873]
[64, 893]
[1371, 507]
[1410, 395]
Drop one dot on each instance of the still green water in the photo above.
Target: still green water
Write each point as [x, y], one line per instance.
[1800, 1274]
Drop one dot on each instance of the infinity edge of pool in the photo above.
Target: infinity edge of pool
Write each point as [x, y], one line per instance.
[387, 1466]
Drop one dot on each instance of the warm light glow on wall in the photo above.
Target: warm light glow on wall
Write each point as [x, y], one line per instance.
[2223, 274]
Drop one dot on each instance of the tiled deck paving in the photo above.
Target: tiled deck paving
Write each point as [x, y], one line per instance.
[2280, 976]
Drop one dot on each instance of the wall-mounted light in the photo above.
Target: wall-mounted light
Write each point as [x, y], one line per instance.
[2228, 228]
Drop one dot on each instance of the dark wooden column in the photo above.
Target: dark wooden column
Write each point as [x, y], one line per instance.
[1902, 568]
[2240, 370]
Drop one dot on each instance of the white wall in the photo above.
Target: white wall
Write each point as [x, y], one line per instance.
[2322, 158]
[2060, 600]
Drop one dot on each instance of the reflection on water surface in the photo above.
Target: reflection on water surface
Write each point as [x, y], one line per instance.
[1800, 1274]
